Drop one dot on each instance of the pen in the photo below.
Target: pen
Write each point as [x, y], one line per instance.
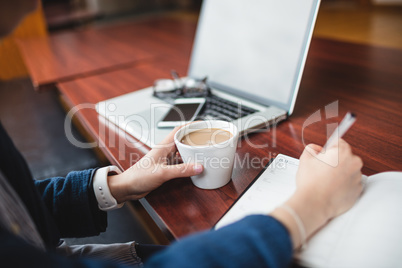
[345, 124]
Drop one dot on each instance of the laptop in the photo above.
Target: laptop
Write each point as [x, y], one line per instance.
[253, 53]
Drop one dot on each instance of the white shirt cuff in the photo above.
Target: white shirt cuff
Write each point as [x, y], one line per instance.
[101, 188]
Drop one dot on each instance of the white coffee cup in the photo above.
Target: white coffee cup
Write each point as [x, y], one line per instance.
[217, 159]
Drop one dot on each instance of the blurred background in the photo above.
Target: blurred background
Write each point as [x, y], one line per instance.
[40, 136]
[70, 13]
[376, 22]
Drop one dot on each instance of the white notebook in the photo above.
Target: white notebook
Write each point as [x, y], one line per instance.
[368, 235]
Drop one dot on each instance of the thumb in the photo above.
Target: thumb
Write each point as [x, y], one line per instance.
[311, 150]
[183, 170]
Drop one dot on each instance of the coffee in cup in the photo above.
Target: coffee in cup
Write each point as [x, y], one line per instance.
[206, 137]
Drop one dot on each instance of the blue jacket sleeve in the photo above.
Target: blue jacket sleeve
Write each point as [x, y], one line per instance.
[255, 241]
[72, 203]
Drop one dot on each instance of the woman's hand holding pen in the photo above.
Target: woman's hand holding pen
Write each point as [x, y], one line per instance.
[332, 178]
[328, 184]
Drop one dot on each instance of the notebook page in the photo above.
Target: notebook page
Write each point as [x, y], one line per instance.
[271, 189]
[368, 235]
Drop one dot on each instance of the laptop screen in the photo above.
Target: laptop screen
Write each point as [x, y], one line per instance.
[254, 49]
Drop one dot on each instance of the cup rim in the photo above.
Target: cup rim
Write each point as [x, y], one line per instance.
[235, 135]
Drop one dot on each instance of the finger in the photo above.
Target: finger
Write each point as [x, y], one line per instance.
[314, 147]
[343, 143]
[182, 170]
[358, 161]
[170, 138]
[311, 150]
[167, 145]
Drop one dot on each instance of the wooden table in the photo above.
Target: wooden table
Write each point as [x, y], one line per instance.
[358, 78]
[70, 55]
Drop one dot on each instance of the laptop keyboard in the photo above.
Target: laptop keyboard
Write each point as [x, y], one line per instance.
[223, 109]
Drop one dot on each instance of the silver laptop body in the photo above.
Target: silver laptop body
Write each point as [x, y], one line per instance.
[253, 53]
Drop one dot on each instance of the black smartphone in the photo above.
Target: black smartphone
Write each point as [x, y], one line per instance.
[183, 111]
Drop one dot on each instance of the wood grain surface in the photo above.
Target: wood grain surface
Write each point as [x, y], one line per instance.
[69, 55]
[344, 76]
